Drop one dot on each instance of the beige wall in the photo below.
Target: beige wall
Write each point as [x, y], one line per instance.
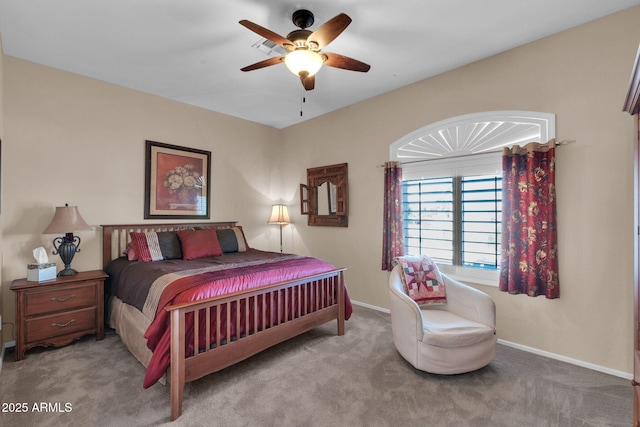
[75, 140]
[56, 119]
[2, 181]
[580, 75]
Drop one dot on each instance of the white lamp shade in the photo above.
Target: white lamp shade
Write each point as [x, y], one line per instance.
[279, 215]
[303, 60]
[67, 219]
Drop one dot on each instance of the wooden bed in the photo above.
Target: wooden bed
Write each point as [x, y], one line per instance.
[298, 295]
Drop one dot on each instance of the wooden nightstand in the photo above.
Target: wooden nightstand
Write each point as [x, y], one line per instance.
[56, 312]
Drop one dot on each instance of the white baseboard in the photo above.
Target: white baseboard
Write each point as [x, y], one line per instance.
[4, 347]
[373, 307]
[581, 363]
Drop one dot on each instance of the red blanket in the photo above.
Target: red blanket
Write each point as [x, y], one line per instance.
[216, 283]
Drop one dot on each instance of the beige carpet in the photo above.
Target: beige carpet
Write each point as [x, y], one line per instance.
[318, 379]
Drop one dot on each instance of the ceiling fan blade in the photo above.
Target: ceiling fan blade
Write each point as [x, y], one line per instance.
[308, 82]
[344, 62]
[262, 64]
[329, 30]
[267, 34]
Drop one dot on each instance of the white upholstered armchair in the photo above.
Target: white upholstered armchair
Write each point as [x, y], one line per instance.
[453, 338]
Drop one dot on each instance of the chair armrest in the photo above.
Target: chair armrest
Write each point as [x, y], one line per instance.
[405, 313]
[469, 302]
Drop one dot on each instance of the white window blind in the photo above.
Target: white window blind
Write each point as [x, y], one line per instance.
[456, 220]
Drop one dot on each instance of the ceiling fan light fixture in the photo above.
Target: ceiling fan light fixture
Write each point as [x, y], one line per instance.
[303, 61]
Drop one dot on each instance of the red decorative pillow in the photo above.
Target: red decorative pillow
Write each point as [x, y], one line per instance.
[422, 279]
[146, 246]
[199, 243]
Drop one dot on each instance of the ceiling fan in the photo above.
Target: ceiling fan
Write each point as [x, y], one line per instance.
[304, 56]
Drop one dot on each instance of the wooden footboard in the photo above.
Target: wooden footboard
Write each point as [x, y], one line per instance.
[301, 305]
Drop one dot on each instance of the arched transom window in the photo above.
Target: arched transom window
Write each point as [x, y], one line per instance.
[474, 134]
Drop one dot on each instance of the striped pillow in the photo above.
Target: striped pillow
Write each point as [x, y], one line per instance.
[232, 239]
[146, 246]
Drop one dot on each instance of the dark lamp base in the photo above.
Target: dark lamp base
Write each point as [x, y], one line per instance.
[68, 272]
[66, 247]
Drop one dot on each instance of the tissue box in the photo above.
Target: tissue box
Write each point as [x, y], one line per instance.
[41, 272]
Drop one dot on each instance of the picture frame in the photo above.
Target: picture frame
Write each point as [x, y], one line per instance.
[177, 182]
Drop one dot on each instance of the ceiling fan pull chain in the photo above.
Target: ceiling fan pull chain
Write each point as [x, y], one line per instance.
[303, 99]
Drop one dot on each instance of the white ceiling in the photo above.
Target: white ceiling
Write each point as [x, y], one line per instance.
[192, 50]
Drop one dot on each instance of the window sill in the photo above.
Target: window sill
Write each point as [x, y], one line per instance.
[474, 280]
[472, 275]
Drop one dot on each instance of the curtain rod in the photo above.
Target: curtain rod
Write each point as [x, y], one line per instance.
[558, 144]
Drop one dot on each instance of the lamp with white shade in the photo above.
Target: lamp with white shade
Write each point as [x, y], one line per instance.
[67, 220]
[280, 216]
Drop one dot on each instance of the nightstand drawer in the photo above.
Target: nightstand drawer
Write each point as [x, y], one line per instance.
[60, 324]
[64, 298]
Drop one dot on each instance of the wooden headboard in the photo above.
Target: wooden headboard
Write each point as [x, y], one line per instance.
[116, 237]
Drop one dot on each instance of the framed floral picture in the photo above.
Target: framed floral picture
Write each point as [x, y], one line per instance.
[177, 182]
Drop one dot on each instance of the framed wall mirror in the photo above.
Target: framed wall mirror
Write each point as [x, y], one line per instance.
[324, 197]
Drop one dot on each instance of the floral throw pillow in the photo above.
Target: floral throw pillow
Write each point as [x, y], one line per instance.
[422, 279]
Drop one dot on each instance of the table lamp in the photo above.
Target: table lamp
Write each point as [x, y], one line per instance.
[66, 220]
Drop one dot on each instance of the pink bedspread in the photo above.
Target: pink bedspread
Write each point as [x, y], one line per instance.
[216, 283]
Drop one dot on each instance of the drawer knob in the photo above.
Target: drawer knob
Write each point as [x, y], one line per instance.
[53, 325]
[63, 299]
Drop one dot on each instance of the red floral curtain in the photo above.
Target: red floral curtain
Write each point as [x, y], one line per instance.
[529, 262]
[392, 237]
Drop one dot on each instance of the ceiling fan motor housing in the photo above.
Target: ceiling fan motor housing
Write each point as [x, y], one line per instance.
[302, 18]
[299, 38]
